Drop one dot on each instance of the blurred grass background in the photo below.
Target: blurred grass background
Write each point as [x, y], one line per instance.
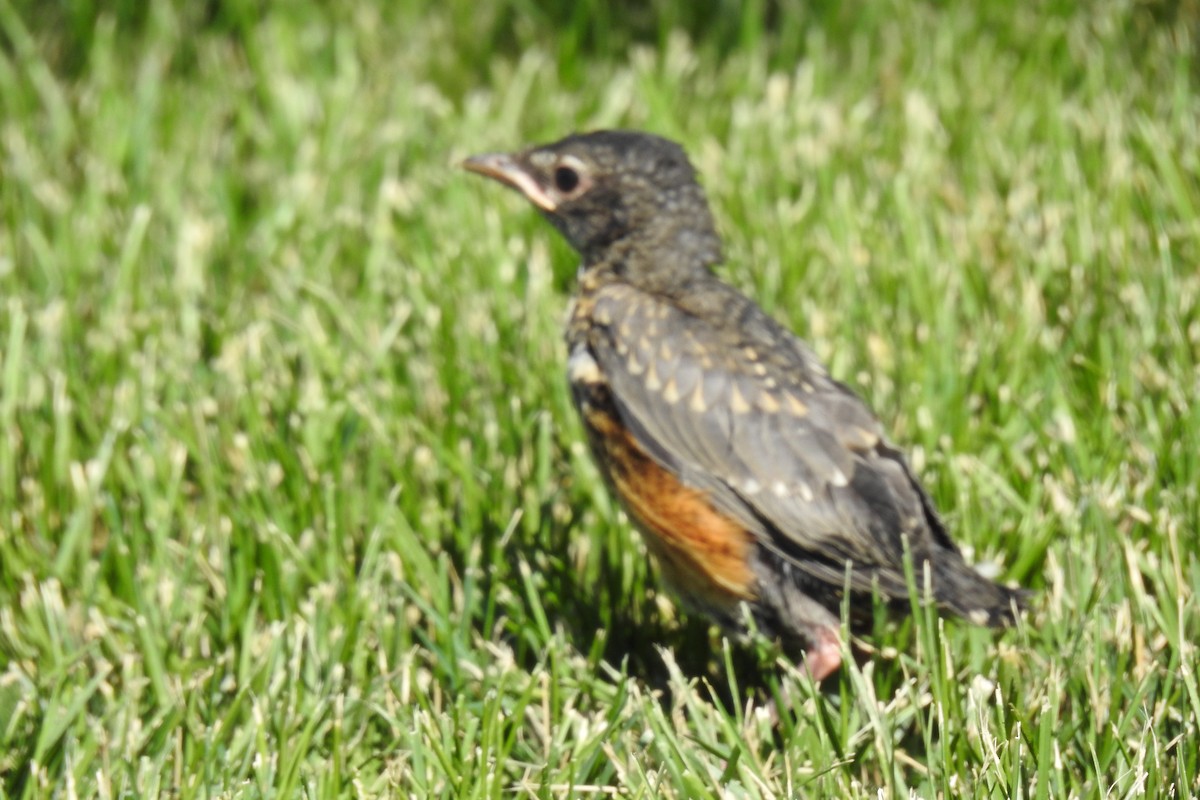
[292, 499]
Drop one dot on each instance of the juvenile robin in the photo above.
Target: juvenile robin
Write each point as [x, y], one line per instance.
[763, 487]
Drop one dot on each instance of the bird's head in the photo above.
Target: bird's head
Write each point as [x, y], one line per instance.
[606, 187]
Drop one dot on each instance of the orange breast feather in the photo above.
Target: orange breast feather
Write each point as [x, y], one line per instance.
[702, 552]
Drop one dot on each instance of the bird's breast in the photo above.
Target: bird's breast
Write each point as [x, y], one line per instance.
[704, 555]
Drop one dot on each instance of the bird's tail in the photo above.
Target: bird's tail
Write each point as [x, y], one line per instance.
[963, 591]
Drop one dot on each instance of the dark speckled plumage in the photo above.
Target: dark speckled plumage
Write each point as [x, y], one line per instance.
[759, 482]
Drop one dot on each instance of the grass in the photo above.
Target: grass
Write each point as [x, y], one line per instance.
[292, 499]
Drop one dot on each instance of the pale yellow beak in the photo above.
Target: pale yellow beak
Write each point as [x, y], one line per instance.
[504, 168]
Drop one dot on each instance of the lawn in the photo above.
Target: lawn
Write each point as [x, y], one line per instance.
[293, 502]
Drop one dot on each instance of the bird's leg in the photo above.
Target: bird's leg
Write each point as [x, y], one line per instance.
[821, 659]
[824, 656]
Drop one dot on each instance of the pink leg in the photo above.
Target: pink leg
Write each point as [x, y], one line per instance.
[821, 660]
[824, 656]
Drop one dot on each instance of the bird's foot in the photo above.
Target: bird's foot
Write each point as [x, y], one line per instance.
[824, 656]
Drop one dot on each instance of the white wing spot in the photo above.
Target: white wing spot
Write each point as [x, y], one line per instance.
[582, 368]
[796, 408]
[696, 403]
[751, 486]
[779, 488]
[671, 392]
[737, 402]
[767, 402]
[652, 380]
[838, 478]
[866, 438]
[634, 366]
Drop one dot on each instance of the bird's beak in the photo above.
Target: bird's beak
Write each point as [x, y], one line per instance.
[504, 168]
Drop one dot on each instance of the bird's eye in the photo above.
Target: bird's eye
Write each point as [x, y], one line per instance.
[566, 179]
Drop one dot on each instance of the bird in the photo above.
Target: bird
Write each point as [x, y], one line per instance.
[764, 488]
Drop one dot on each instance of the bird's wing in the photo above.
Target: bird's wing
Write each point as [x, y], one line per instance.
[782, 447]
